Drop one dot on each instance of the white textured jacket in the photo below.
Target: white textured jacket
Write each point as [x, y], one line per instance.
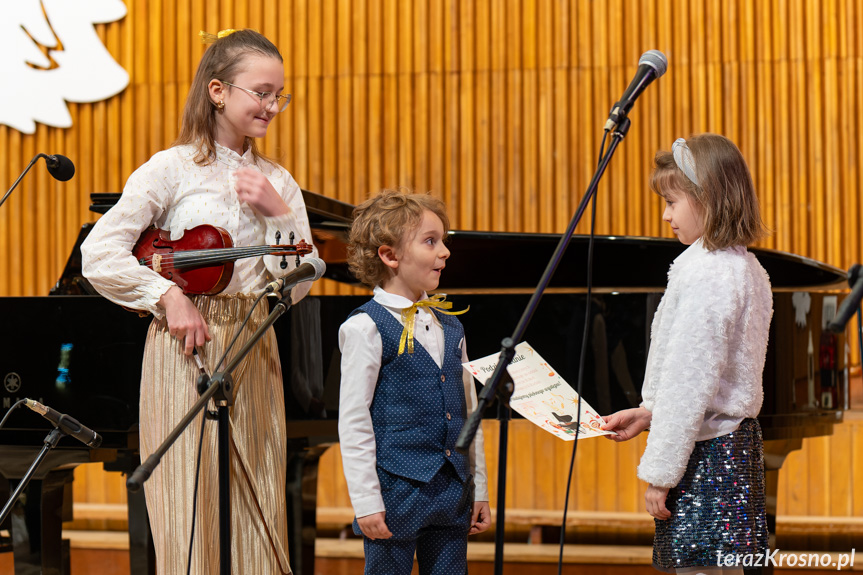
[707, 348]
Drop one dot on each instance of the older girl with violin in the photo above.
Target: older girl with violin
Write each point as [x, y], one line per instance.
[214, 174]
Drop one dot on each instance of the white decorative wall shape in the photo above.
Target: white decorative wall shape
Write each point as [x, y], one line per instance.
[34, 87]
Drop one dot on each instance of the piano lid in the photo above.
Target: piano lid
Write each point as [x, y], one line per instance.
[488, 261]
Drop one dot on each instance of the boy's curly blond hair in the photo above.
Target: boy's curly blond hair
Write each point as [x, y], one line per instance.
[387, 219]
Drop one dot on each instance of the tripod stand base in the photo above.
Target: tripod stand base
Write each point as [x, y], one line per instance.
[36, 524]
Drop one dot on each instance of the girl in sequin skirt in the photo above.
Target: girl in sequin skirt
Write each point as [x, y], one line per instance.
[213, 174]
[702, 386]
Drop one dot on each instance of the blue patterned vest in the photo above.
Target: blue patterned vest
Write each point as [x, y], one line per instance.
[418, 408]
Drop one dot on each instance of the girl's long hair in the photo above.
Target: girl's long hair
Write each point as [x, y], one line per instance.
[222, 60]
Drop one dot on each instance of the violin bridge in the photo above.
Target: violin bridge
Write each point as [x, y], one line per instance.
[157, 263]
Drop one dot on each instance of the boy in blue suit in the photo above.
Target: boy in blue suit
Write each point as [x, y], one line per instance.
[405, 396]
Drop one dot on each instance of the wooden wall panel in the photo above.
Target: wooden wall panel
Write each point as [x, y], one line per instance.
[496, 106]
[823, 477]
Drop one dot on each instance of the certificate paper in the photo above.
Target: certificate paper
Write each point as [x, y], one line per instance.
[541, 395]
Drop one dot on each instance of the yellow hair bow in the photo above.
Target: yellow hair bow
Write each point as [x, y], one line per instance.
[436, 302]
[207, 38]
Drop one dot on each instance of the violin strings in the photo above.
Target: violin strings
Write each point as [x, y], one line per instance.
[210, 255]
[197, 257]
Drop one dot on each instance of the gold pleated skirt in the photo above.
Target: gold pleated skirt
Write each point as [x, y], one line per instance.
[259, 535]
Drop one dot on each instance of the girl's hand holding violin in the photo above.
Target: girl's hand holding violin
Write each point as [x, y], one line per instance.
[255, 189]
[184, 319]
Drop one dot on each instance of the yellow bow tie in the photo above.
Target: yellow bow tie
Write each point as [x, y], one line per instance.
[435, 302]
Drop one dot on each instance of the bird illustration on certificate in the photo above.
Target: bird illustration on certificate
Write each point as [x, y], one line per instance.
[541, 395]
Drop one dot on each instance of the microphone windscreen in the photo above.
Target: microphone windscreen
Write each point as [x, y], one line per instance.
[60, 167]
[656, 60]
[319, 265]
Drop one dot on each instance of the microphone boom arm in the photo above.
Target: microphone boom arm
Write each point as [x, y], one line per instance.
[60, 167]
[508, 344]
[27, 169]
[219, 385]
[850, 304]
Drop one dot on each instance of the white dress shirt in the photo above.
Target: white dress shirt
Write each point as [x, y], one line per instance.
[361, 347]
[174, 193]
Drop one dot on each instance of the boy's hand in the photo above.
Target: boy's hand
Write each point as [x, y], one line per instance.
[480, 518]
[374, 527]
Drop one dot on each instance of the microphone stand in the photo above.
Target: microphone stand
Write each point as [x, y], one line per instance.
[51, 441]
[851, 303]
[503, 392]
[219, 388]
[27, 169]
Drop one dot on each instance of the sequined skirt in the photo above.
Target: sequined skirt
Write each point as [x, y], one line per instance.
[257, 448]
[718, 506]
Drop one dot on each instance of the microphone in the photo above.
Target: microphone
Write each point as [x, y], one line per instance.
[60, 167]
[310, 270]
[851, 303]
[651, 66]
[66, 424]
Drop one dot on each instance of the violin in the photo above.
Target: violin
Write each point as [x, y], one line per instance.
[202, 261]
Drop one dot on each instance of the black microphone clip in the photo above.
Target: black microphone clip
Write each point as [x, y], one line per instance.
[66, 424]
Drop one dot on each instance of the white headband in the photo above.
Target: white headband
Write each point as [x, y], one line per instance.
[683, 158]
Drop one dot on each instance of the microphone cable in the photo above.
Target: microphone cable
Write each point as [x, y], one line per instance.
[201, 438]
[580, 380]
[859, 341]
[228, 348]
[240, 329]
[18, 403]
[195, 494]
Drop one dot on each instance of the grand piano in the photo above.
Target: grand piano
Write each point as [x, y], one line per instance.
[81, 355]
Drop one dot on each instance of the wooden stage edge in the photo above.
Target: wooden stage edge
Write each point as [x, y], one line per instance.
[106, 552]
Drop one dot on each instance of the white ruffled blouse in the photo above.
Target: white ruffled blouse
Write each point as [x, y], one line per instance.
[707, 352]
[174, 193]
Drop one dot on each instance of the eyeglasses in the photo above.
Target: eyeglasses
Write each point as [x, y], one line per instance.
[267, 98]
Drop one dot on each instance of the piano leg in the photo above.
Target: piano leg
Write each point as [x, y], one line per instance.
[37, 523]
[302, 494]
[775, 452]
[142, 553]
